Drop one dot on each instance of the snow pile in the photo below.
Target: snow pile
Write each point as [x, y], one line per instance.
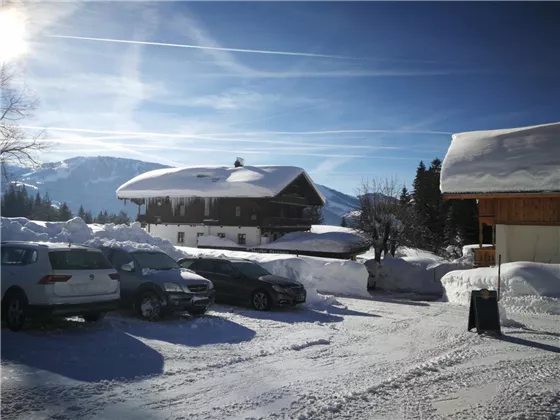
[318, 275]
[332, 228]
[327, 241]
[521, 159]
[77, 231]
[413, 271]
[215, 241]
[214, 182]
[525, 286]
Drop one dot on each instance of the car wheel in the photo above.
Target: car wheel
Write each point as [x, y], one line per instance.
[94, 316]
[15, 305]
[149, 306]
[197, 311]
[261, 300]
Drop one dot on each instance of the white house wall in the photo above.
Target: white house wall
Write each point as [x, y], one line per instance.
[528, 243]
[170, 232]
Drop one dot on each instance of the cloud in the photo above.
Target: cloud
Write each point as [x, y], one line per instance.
[329, 165]
[231, 99]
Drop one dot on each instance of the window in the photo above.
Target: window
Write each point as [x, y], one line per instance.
[241, 238]
[224, 268]
[250, 269]
[237, 211]
[199, 234]
[221, 235]
[78, 259]
[18, 256]
[203, 265]
[155, 260]
[187, 263]
[120, 258]
[180, 237]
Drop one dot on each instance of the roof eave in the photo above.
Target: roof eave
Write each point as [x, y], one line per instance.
[500, 194]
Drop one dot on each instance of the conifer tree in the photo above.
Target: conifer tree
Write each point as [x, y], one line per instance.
[64, 213]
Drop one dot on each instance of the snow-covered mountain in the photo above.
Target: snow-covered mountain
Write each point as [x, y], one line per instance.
[92, 182]
[87, 181]
[338, 205]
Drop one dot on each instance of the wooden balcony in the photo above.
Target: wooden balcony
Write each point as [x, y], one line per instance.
[484, 257]
[286, 222]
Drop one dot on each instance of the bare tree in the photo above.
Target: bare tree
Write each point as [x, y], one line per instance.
[384, 219]
[17, 103]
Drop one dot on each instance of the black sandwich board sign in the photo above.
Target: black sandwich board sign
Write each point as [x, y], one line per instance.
[483, 312]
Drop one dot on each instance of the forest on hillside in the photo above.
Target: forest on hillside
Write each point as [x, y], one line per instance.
[16, 202]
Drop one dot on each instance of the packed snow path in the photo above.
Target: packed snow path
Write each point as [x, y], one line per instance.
[365, 359]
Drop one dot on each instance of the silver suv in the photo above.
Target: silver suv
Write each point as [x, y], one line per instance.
[154, 284]
[56, 279]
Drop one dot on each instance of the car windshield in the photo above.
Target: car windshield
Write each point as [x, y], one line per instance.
[250, 269]
[155, 260]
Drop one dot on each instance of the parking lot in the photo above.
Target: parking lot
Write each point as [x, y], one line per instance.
[383, 358]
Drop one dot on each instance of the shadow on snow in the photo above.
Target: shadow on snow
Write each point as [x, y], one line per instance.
[90, 355]
[113, 350]
[208, 329]
[290, 315]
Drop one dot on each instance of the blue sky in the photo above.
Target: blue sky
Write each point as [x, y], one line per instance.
[345, 90]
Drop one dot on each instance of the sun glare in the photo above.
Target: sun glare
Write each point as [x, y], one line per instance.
[12, 34]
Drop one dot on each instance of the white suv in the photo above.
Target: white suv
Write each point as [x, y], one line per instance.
[56, 279]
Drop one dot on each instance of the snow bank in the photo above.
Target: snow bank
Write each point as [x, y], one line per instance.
[77, 231]
[525, 286]
[514, 160]
[213, 182]
[413, 271]
[328, 241]
[322, 275]
[215, 241]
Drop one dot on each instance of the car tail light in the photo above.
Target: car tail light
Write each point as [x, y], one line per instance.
[115, 276]
[55, 278]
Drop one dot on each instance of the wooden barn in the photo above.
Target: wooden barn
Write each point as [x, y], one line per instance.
[514, 175]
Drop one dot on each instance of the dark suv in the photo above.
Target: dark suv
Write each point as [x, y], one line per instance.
[245, 282]
[154, 284]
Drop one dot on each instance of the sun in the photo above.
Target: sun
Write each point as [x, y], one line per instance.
[12, 34]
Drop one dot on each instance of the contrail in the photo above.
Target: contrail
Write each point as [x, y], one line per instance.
[126, 147]
[202, 47]
[213, 138]
[312, 133]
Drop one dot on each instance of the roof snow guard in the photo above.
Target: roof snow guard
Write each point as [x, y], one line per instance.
[520, 160]
[214, 182]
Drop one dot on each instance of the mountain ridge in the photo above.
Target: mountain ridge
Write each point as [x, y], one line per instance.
[92, 182]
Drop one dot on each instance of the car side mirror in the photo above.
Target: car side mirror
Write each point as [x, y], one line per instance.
[129, 267]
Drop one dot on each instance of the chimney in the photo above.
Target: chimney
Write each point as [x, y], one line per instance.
[239, 162]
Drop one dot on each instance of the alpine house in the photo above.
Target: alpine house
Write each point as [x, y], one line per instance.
[249, 205]
[515, 176]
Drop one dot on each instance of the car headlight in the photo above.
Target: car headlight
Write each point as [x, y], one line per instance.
[210, 285]
[279, 289]
[172, 287]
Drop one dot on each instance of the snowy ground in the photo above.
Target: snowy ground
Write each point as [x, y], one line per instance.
[379, 358]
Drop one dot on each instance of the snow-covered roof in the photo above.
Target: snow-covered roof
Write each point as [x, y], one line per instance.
[522, 160]
[214, 182]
